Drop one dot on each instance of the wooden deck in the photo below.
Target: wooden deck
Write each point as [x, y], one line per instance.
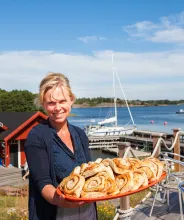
[160, 210]
[138, 153]
[11, 176]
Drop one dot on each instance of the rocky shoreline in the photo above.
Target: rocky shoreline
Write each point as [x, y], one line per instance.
[107, 105]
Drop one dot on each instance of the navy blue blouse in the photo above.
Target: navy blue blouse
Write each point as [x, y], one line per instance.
[63, 158]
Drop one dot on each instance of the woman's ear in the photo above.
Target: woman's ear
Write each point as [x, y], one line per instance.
[73, 98]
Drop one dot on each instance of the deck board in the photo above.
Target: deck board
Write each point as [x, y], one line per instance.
[160, 210]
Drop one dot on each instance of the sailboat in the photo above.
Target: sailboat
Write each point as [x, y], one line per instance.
[109, 126]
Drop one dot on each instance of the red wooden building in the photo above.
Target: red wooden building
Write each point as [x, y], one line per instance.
[14, 128]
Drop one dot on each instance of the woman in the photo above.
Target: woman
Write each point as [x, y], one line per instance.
[53, 149]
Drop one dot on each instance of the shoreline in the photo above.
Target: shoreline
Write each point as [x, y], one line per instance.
[122, 106]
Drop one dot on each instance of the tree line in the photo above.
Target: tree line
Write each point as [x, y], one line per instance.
[23, 101]
[101, 100]
[17, 101]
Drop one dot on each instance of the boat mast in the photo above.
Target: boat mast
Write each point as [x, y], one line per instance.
[115, 70]
[115, 107]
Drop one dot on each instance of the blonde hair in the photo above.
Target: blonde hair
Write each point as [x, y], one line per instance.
[52, 81]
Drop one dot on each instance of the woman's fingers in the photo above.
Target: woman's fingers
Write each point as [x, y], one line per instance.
[80, 203]
[62, 196]
[69, 204]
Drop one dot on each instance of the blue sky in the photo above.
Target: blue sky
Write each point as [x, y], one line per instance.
[77, 37]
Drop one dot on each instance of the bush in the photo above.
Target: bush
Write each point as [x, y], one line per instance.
[106, 211]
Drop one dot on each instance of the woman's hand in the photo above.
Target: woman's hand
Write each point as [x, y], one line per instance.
[49, 193]
[62, 202]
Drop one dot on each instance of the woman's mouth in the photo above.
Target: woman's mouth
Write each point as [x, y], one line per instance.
[57, 114]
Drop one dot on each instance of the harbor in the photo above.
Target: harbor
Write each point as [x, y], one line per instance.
[141, 141]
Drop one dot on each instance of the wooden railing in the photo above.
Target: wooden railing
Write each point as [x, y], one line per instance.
[125, 211]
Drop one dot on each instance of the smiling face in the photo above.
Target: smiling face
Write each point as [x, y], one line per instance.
[57, 103]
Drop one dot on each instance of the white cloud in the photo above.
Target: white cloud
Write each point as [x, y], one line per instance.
[175, 35]
[87, 39]
[168, 30]
[143, 75]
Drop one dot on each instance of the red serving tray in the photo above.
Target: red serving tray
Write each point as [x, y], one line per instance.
[110, 197]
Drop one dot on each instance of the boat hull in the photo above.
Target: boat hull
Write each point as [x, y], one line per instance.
[108, 131]
[181, 111]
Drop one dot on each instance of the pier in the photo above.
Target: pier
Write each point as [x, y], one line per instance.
[115, 152]
[103, 142]
[140, 140]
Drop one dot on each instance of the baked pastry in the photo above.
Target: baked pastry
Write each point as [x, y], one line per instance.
[72, 185]
[110, 177]
[118, 165]
[93, 169]
[94, 184]
[98, 160]
[107, 172]
[124, 182]
[99, 183]
[148, 168]
[110, 187]
[92, 194]
[134, 163]
[83, 167]
[158, 166]
[139, 179]
[94, 187]
[76, 170]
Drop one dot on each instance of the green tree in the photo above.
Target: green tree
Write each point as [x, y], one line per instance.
[17, 101]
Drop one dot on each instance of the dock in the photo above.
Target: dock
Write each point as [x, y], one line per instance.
[138, 153]
[103, 142]
[139, 140]
[160, 210]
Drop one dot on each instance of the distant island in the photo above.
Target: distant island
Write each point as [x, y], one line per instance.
[108, 102]
[23, 101]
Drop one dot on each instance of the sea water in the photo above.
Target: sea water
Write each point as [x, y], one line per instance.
[152, 118]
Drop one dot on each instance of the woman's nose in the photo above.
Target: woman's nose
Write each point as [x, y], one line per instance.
[57, 106]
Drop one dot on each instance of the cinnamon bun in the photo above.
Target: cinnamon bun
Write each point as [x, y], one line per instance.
[72, 185]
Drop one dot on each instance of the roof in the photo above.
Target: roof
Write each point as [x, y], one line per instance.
[13, 120]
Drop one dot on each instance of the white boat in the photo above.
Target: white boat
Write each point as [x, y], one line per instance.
[109, 126]
[181, 111]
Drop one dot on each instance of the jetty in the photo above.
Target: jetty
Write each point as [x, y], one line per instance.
[140, 140]
[138, 153]
[96, 142]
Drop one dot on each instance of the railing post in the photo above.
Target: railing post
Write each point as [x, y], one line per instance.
[176, 149]
[124, 201]
[155, 140]
[122, 146]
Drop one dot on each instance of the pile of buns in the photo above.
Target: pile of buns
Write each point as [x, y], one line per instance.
[105, 177]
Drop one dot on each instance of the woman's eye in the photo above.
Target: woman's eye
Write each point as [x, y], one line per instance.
[62, 102]
[51, 103]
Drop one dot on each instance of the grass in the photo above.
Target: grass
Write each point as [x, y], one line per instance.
[137, 197]
[15, 207]
[106, 210]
